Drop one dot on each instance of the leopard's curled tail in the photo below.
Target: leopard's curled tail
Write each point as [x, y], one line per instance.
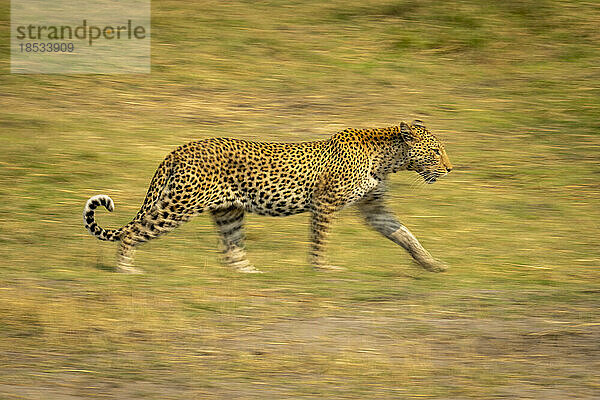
[111, 235]
[157, 186]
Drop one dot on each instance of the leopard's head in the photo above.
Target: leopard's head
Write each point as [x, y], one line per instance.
[426, 154]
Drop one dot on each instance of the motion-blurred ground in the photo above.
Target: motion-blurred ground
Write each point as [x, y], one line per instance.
[511, 87]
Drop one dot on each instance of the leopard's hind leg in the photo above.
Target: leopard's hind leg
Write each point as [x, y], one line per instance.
[229, 222]
[166, 214]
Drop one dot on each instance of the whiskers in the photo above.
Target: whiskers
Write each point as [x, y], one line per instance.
[416, 182]
[429, 177]
[425, 178]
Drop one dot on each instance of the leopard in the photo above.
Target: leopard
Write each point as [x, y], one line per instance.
[230, 177]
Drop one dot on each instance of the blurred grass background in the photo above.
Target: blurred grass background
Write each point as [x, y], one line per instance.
[511, 87]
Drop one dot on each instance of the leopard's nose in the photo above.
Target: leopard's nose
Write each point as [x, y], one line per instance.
[448, 169]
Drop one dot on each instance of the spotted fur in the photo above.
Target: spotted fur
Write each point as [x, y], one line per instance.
[228, 177]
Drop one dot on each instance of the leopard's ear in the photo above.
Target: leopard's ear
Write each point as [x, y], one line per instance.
[408, 135]
[418, 122]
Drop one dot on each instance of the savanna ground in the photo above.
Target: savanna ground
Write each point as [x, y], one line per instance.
[511, 87]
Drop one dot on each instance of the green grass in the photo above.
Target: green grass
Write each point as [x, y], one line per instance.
[511, 88]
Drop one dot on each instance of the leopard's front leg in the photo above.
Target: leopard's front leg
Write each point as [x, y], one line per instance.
[320, 222]
[382, 220]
